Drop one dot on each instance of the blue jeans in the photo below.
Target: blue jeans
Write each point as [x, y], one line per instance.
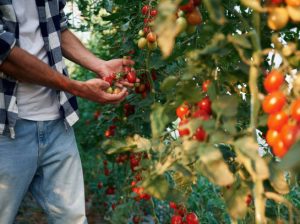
[44, 160]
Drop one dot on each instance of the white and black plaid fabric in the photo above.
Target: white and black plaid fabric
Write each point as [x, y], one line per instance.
[52, 22]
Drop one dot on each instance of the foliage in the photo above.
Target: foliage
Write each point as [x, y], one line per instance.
[228, 176]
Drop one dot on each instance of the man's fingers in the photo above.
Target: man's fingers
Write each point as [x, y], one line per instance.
[103, 84]
[127, 84]
[110, 98]
[128, 62]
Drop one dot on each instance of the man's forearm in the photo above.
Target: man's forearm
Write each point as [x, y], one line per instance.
[75, 51]
[25, 67]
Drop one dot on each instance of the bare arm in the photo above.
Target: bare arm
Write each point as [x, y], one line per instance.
[25, 67]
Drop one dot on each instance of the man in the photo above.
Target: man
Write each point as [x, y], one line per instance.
[38, 151]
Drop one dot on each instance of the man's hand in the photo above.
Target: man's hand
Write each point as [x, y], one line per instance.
[94, 90]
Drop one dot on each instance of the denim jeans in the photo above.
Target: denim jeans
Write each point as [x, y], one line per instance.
[44, 160]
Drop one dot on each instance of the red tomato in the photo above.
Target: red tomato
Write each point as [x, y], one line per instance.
[196, 2]
[295, 110]
[136, 219]
[205, 104]
[188, 7]
[272, 137]
[194, 17]
[203, 115]
[108, 79]
[145, 9]
[191, 218]
[200, 134]
[127, 69]
[154, 12]
[279, 149]
[277, 120]
[173, 205]
[183, 132]
[131, 77]
[205, 85]
[182, 111]
[99, 185]
[110, 191]
[288, 134]
[151, 37]
[273, 81]
[276, 2]
[176, 219]
[248, 199]
[146, 29]
[274, 102]
[106, 172]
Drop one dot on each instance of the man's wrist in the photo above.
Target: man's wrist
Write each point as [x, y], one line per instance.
[97, 66]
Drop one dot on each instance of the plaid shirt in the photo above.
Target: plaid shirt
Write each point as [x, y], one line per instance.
[52, 22]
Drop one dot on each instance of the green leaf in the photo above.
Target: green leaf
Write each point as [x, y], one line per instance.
[216, 11]
[159, 120]
[278, 180]
[169, 83]
[239, 40]
[291, 161]
[226, 105]
[212, 165]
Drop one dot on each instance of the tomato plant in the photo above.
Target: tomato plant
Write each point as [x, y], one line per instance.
[205, 137]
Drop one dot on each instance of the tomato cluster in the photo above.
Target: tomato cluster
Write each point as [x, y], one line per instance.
[181, 216]
[147, 37]
[283, 126]
[201, 110]
[139, 191]
[280, 12]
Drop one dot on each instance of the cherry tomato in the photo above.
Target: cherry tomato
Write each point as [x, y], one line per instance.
[205, 104]
[279, 149]
[295, 110]
[176, 219]
[276, 2]
[205, 85]
[191, 218]
[200, 134]
[188, 7]
[145, 9]
[274, 102]
[110, 191]
[194, 17]
[99, 185]
[151, 37]
[136, 219]
[288, 134]
[183, 132]
[141, 88]
[146, 29]
[277, 120]
[278, 18]
[273, 81]
[127, 69]
[203, 115]
[153, 12]
[182, 111]
[196, 2]
[272, 137]
[108, 79]
[173, 205]
[131, 77]
[109, 133]
[249, 199]
[106, 172]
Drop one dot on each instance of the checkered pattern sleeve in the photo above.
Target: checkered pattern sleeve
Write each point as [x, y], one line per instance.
[7, 41]
[63, 17]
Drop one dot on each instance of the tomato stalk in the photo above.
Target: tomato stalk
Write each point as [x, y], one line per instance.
[149, 77]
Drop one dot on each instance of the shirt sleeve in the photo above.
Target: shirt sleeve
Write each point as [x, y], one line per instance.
[7, 42]
[63, 17]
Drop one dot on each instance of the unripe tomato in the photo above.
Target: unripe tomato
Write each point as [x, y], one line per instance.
[288, 134]
[279, 149]
[205, 85]
[274, 102]
[152, 46]
[191, 218]
[131, 77]
[181, 25]
[142, 42]
[295, 110]
[182, 111]
[293, 2]
[273, 81]
[176, 219]
[205, 104]
[151, 37]
[153, 12]
[117, 91]
[194, 17]
[277, 120]
[272, 137]
[141, 33]
[145, 9]
[278, 18]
